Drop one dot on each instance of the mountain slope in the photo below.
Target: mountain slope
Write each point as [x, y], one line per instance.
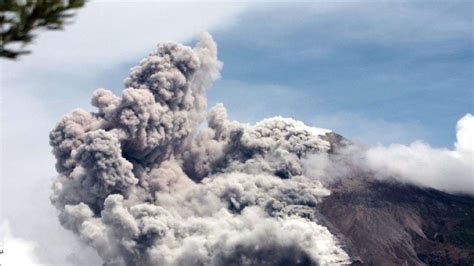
[389, 223]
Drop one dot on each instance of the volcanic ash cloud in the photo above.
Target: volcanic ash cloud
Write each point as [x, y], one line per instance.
[143, 185]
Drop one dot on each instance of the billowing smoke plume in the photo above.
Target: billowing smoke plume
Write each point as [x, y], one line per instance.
[143, 185]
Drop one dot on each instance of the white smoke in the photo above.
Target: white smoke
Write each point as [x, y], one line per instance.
[421, 164]
[139, 182]
[418, 163]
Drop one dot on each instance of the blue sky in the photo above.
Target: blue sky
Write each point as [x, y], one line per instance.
[377, 72]
[374, 71]
[406, 67]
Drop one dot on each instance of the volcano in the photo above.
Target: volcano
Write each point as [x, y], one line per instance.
[144, 182]
[386, 222]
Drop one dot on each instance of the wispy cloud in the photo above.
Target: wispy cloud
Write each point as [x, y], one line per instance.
[450, 170]
[288, 101]
[402, 62]
[421, 164]
[104, 32]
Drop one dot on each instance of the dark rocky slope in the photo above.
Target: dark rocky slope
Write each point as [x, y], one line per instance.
[388, 223]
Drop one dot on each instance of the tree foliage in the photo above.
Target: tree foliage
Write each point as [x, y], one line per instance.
[19, 19]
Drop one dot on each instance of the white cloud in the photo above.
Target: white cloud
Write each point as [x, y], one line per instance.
[419, 163]
[105, 32]
[465, 135]
[16, 251]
